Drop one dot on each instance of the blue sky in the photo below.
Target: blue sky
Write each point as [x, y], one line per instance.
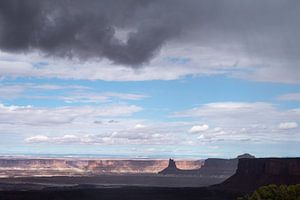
[157, 102]
[172, 78]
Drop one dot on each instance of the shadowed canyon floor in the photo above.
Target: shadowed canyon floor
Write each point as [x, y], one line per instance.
[150, 180]
[122, 193]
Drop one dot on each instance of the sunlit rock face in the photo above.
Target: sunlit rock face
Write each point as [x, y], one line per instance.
[126, 166]
[187, 165]
[49, 167]
[32, 163]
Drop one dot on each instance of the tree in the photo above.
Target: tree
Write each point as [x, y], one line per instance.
[274, 192]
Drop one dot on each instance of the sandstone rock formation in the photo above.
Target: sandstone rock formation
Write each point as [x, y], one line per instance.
[172, 169]
[68, 166]
[212, 167]
[253, 173]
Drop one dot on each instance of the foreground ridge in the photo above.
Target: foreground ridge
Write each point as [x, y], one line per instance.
[254, 173]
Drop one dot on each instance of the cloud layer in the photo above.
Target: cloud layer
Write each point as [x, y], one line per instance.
[132, 32]
[86, 29]
[212, 123]
[244, 121]
[35, 116]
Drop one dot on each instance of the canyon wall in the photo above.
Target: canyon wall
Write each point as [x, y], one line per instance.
[39, 167]
[253, 173]
[212, 167]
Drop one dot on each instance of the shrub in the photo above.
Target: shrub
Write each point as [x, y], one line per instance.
[274, 192]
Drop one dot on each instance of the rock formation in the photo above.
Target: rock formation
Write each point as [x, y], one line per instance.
[69, 166]
[172, 169]
[253, 173]
[212, 167]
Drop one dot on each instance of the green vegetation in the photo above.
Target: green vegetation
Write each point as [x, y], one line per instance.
[274, 192]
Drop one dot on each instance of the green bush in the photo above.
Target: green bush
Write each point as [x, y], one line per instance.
[274, 192]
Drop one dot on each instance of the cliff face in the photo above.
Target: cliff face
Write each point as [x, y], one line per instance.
[253, 173]
[219, 167]
[188, 164]
[11, 167]
[32, 163]
[212, 167]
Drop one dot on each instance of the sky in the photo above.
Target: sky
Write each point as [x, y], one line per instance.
[150, 79]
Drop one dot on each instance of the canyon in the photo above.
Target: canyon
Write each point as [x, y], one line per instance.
[250, 174]
[19, 167]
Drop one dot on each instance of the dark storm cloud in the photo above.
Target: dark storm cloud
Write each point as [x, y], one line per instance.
[88, 29]
[83, 29]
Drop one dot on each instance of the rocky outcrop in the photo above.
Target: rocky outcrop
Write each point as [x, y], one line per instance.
[212, 167]
[136, 166]
[253, 173]
[219, 167]
[47, 166]
[172, 169]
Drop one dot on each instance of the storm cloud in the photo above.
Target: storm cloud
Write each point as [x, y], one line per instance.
[131, 32]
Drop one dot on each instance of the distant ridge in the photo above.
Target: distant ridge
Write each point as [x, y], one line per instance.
[245, 155]
[13, 167]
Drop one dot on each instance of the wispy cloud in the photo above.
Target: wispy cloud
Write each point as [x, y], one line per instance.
[289, 97]
[199, 128]
[67, 93]
[38, 116]
[244, 121]
[288, 125]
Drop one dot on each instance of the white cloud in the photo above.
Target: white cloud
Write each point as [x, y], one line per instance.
[69, 137]
[244, 121]
[113, 138]
[217, 129]
[74, 93]
[287, 125]
[94, 97]
[11, 91]
[200, 137]
[290, 97]
[62, 139]
[228, 121]
[225, 108]
[158, 69]
[139, 126]
[199, 128]
[37, 139]
[198, 61]
[124, 132]
[60, 115]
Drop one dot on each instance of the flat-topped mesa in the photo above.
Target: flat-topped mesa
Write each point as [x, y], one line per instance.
[253, 173]
[81, 166]
[222, 167]
[217, 167]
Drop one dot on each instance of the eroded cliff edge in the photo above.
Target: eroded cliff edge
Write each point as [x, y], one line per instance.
[19, 167]
[253, 173]
[213, 167]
